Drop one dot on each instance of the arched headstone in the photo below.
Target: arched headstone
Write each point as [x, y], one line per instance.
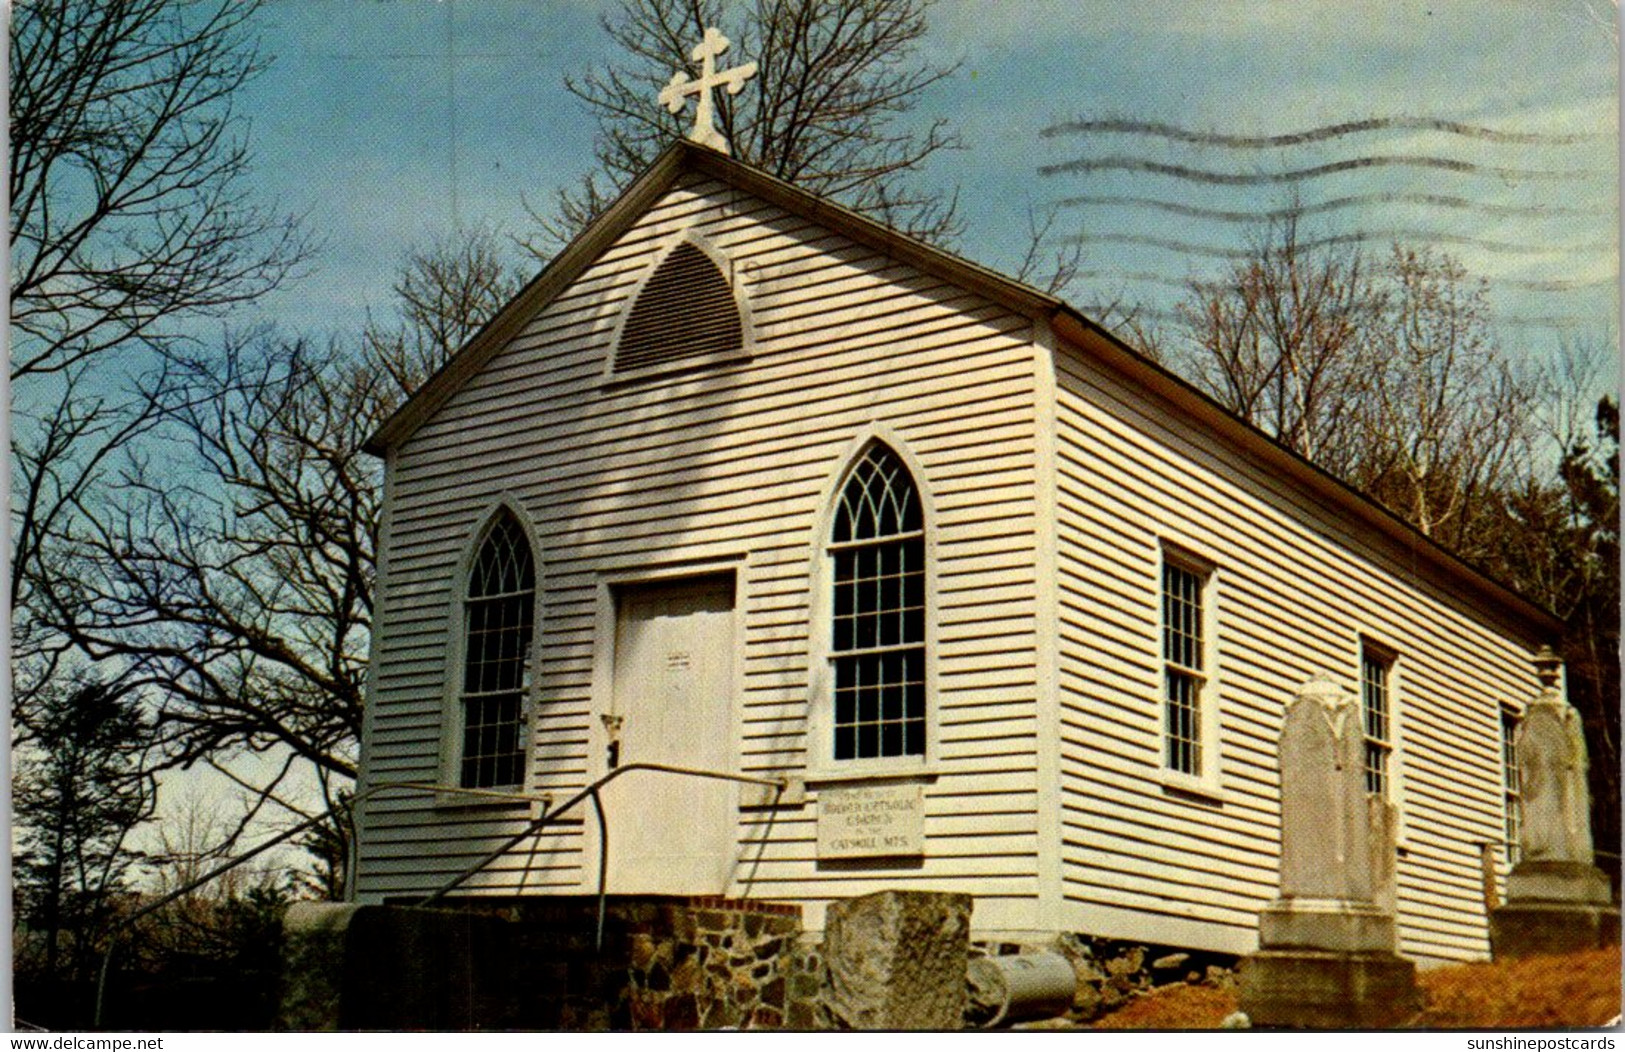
[1326, 945]
[1558, 900]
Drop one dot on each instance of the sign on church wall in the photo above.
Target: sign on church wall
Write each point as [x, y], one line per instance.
[871, 821]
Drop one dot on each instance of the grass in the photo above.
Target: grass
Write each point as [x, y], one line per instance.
[1571, 990]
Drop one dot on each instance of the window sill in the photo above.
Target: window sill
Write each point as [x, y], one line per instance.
[448, 800]
[858, 773]
[1193, 790]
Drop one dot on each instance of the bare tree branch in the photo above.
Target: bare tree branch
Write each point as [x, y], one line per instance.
[127, 208]
[837, 81]
[238, 593]
[129, 224]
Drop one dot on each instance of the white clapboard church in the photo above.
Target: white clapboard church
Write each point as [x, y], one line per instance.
[746, 483]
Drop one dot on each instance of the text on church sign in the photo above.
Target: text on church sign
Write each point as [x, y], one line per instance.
[871, 822]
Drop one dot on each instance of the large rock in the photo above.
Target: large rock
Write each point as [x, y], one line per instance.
[896, 960]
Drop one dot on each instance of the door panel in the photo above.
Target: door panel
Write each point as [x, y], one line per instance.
[673, 687]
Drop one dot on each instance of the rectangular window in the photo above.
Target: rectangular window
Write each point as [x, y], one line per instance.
[1375, 670]
[879, 629]
[493, 755]
[496, 674]
[1183, 679]
[1513, 784]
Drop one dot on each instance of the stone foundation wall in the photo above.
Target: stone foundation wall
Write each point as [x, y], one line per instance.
[670, 964]
[665, 963]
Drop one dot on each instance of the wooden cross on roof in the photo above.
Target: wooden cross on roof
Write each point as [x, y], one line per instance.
[674, 95]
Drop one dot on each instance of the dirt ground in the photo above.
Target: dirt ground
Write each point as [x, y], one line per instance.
[1572, 990]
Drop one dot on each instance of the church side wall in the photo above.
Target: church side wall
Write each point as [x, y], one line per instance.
[728, 462]
[1294, 591]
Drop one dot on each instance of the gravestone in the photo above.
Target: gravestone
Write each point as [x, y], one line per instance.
[897, 960]
[1326, 945]
[1557, 899]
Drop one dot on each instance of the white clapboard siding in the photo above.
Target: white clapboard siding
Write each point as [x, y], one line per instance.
[1295, 590]
[726, 461]
[1046, 548]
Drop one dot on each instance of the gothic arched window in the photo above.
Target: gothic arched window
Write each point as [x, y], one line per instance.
[498, 621]
[877, 547]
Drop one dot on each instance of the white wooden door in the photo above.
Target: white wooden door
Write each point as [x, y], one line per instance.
[673, 687]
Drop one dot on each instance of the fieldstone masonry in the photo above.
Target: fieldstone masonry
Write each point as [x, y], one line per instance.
[1326, 956]
[665, 963]
[722, 967]
[1558, 901]
[896, 960]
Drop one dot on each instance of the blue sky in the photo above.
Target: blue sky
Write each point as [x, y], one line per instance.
[390, 122]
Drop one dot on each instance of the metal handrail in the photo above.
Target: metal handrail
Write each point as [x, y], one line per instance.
[591, 792]
[541, 821]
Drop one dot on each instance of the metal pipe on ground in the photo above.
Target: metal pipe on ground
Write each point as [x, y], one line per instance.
[1025, 986]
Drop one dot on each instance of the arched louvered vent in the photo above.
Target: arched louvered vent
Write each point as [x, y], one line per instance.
[686, 310]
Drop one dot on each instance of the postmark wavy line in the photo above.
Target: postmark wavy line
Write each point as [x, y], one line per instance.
[1542, 321]
[1419, 237]
[1556, 284]
[1335, 204]
[1545, 321]
[1083, 165]
[1321, 134]
[1169, 281]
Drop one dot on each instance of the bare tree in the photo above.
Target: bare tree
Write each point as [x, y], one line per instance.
[129, 223]
[126, 203]
[59, 451]
[837, 80]
[1448, 414]
[243, 596]
[444, 293]
[241, 599]
[1285, 340]
[1047, 266]
[1385, 374]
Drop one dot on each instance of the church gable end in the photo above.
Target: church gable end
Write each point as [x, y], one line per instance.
[825, 346]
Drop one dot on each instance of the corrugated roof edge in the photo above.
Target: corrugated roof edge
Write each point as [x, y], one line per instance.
[1076, 329]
